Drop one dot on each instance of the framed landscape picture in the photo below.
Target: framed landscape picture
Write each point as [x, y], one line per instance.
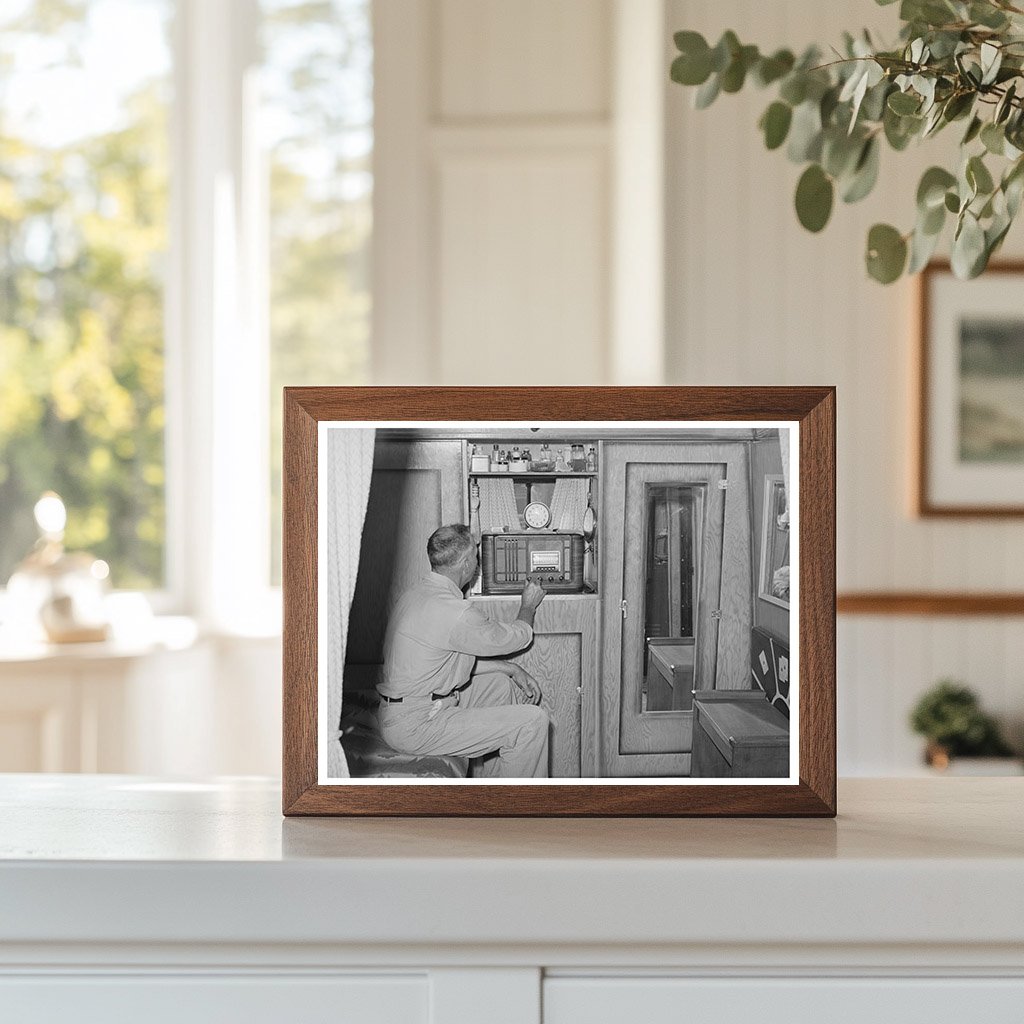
[970, 450]
[559, 601]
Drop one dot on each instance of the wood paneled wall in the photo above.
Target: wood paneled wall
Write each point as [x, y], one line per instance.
[753, 298]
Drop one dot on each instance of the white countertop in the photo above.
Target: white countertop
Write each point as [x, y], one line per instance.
[121, 859]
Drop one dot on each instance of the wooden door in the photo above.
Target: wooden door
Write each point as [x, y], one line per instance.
[636, 740]
[416, 487]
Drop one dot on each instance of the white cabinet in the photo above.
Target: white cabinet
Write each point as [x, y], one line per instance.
[130, 899]
[212, 999]
[824, 1000]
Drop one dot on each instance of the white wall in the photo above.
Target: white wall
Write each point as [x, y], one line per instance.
[753, 298]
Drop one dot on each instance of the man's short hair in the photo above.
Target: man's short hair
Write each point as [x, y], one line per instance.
[448, 544]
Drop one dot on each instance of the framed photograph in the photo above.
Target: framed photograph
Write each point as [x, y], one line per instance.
[970, 445]
[559, 601]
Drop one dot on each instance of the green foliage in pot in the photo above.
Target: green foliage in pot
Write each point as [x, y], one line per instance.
[950, 717]
[957, 61]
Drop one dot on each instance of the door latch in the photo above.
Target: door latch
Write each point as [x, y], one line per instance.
[723, 485]
[623, 607]
[716, 614]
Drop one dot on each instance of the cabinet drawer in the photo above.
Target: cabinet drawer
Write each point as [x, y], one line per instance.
[783, 1000]
[223, 999]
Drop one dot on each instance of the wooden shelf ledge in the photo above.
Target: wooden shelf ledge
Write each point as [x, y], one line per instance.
[928, 603]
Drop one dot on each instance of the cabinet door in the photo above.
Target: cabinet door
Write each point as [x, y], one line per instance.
[563, 659]
[782, 1000]
[675, 520]
[416, 486]
[217, 999]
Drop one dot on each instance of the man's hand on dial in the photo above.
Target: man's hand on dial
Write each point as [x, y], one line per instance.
[533, 594]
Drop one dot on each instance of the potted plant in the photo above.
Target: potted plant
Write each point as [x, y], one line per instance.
[955, 62]
[950, 717]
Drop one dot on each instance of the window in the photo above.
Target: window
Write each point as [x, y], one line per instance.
[317, 118]
[83, 236]
[185, 221]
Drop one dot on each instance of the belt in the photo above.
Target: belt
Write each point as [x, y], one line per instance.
[433, 696]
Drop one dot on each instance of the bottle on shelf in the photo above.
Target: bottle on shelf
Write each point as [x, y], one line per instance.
[561, 466]
[495, 459]
[577, 460]
[591, 459]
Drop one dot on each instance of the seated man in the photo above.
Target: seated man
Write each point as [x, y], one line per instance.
[436, 698]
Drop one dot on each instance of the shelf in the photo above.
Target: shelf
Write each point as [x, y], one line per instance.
[537, 476]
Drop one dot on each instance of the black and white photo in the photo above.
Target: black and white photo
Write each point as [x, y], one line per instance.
[558, 602]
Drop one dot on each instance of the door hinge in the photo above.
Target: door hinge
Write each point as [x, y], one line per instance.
[716, 614]
[723, 485]
[623, 607]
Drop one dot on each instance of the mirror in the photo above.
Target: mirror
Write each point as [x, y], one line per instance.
[670, 552]
[774, 578]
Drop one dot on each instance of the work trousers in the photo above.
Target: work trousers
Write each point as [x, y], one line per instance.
[488, 719]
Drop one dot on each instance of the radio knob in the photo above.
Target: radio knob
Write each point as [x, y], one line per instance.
[551, 579]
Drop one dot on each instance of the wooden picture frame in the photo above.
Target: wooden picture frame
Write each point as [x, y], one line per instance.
[969, 449]
[803, 413]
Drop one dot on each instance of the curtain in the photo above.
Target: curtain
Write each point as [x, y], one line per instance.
[349, 467]
[784, 433]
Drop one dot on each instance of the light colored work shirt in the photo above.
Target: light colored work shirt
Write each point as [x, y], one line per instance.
[435, 636]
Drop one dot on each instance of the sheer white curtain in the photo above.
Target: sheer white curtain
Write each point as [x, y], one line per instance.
[784, 449]
[349, 466]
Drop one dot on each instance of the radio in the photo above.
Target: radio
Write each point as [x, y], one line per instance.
[554, 560]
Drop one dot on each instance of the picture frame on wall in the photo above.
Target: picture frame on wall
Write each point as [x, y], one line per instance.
[551, 601]
[970, 383]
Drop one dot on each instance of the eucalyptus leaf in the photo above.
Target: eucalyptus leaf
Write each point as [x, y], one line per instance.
[973, 129]
[1013, 191]
[873, 106]
[775, 123]
[900, 130]
[931, 190]
[794, 88]
[886, 253]
[707, 93]
[735, 74]
[952, 202]
[987, 15]
[958, 105]
[903, 103]
[968, 247]
[805, 133]
[771, 69]
[725, 49]
[991, 60]
[865, 174]
[978, 176]
[932, 221]
[1004, 106]
[814, 195]
[922, 248]
[840, 152]
[993, 138]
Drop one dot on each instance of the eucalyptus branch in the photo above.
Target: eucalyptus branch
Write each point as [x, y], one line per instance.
[833, 117]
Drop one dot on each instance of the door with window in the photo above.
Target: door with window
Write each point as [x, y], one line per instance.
[677, 566]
